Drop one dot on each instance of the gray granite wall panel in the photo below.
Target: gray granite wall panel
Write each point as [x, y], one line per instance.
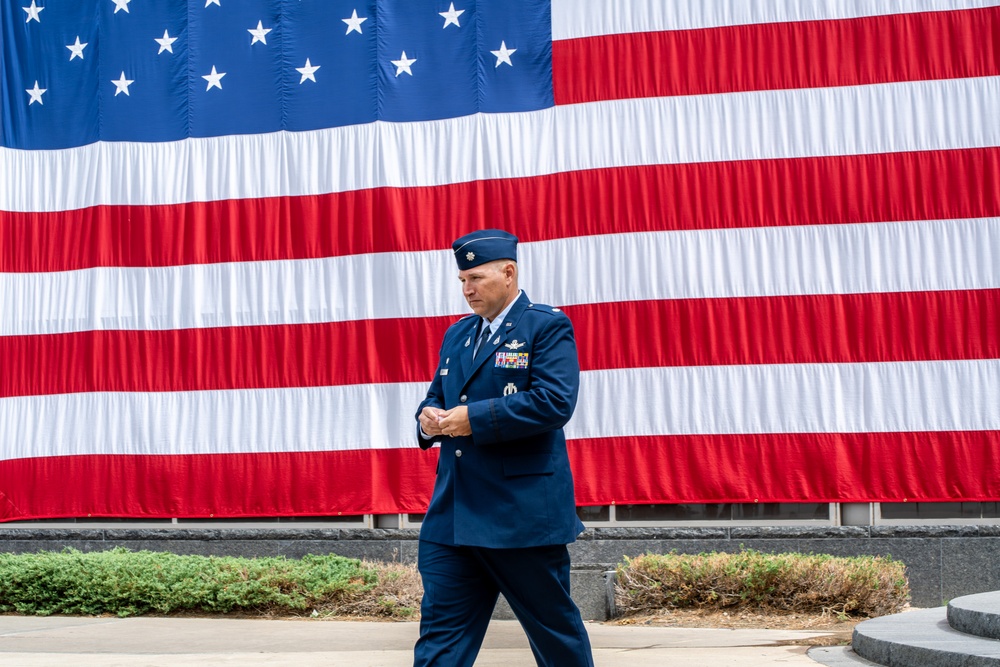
[942, 562]
[611, 552]
[969, 566]
[922, 558]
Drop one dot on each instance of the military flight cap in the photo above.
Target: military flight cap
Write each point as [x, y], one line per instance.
[484, 245]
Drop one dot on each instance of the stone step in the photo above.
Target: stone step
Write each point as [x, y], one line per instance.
[976, 614]
[921, 638]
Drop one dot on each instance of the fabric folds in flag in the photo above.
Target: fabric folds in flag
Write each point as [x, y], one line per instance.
[225, 231]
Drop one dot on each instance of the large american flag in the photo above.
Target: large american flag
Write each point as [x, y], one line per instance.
[224, 232]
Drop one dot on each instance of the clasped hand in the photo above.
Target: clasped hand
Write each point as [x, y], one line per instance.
[435, 421]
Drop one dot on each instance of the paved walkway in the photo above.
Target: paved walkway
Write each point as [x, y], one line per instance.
[65, 641]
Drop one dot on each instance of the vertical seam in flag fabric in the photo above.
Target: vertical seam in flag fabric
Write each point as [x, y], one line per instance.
[381, 51]
[189, 61]
[285, 80]
[99, 23]
[480, 60]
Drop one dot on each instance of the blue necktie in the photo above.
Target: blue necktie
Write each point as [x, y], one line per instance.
[483, 337]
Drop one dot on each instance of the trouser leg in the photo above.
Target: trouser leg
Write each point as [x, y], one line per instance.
[459, 597]
[535, 582]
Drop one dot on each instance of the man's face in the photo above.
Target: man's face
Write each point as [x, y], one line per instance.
[487, 287]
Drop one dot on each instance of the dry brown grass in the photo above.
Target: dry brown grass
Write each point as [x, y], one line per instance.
[395, 595]
[746, 588]
[861, 586]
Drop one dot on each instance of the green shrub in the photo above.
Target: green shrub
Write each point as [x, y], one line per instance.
[128, 583]
[858, 586]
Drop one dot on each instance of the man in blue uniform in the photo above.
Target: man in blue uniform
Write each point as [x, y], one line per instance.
[502, 511]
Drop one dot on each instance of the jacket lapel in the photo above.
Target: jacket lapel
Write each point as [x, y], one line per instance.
[465, 352]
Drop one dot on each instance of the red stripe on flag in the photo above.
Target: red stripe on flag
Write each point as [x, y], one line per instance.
[850, 328]
[306, 355]
[824, 467]
[884, 327]
[776, 56]
[792, 468]
[218, 485]
[762, 193]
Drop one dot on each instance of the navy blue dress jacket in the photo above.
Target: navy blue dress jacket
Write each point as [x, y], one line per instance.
[509, 484]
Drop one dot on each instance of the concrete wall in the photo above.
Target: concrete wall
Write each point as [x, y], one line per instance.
[942, 562]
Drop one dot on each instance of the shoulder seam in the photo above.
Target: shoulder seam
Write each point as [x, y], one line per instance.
[543, 308]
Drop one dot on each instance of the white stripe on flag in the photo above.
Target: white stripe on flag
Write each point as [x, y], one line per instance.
[792, 398]
[884, 118]
[586, 18]
[769, 261]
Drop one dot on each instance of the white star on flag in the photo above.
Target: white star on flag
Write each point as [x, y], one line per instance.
[403, 64]
[122, 84]
[451, 16]
[259, 33]
[166, 43]
[214, 79]
[354, 23]
[36, 93]
[33, 14]
[307, 72]
[213, 2]
[503, 55]
[76, 50]
[120, 5]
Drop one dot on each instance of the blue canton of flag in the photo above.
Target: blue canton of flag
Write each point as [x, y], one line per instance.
[76, 72]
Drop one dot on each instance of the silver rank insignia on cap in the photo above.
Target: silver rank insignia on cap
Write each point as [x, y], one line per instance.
[470, 256]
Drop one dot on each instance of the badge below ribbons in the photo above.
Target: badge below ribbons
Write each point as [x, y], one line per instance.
[511, 360]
